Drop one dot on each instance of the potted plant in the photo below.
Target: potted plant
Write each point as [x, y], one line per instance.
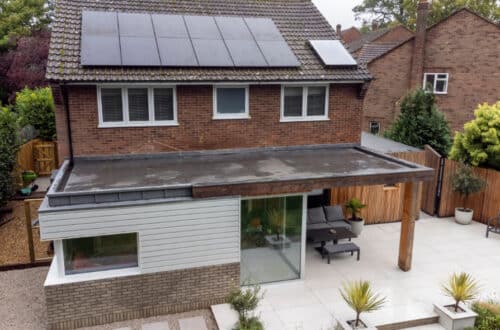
[465, 183]
[244, 301]
[354, 205]
[360, 297]
[461, 287]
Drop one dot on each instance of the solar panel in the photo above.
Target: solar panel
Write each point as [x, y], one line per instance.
[212, 53]
[263, 29]
[233, 28]
[202, 27]
[332, 53]
[278, 54]
[176, 52]
[131, 39]
[245, 53]
[135, 25]
[169, 26]
[139, 51]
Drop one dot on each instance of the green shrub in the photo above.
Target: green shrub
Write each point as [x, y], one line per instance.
[9, 144]
[466, 183]
[354, 206]
[36, 107]
[421, 123]
[488, 315]
[479, 144]
[244, 301]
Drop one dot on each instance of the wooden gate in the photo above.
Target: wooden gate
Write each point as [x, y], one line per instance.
[45, 158]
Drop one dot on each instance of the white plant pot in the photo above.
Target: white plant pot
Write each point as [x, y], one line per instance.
[343, 325]
[357, 226]
[463, 217]
[455, 321]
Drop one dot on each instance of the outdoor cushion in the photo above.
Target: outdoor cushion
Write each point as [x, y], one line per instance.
[316, 215]
[334, 213]
[314, 226]
[340, 223]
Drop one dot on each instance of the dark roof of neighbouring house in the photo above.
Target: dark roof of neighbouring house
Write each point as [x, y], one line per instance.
[371, 36]
[297, 20]
[350, 34]
[371, 51]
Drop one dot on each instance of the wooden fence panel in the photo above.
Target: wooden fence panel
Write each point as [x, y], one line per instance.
[491, 204]
[25, 159]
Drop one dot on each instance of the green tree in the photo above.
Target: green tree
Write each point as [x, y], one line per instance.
[421, 123]
[479, 143]
[387, 12]
[9, 143]
[20, 17]
[36, 107]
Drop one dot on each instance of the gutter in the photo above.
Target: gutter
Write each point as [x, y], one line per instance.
[64, 92]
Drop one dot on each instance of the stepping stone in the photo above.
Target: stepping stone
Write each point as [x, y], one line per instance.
[156, 326]
[124, 328]
[193, 323]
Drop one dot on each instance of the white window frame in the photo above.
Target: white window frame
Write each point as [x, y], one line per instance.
[304, 117]
[125, 111]
[435, 74]
[244, 115]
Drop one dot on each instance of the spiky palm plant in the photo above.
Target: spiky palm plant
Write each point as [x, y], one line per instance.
[360, 297]
[461, 287]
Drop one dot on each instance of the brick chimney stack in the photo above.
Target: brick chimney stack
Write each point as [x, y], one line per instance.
[417, 65]
[374, 25]
[339, 31]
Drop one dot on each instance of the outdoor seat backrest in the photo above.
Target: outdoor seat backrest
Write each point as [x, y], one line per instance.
[316, 215]
[334, 213]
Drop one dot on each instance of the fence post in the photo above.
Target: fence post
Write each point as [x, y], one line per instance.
[29, 229]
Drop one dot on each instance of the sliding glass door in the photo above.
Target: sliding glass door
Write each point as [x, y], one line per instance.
[271, 239]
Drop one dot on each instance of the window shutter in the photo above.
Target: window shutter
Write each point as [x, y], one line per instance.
[112, 107]
[164, 103]
[138, 104]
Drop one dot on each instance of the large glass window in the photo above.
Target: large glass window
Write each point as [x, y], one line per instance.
[92, 254]
[136, 106]
[271, 239]
[304, 103]
[230, 102]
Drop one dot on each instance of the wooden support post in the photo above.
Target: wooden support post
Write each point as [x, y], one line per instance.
[410, 211]
[29, 229]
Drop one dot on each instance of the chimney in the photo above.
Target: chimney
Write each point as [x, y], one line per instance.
[339, 31]
[374, 26]
[417, 64]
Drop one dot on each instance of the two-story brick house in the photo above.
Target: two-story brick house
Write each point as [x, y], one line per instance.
[191, 130]
[457, 58]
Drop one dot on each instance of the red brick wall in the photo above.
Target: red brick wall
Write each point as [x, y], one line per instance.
[198, 131]
[392, 76]
[466, 47]
[396, 34]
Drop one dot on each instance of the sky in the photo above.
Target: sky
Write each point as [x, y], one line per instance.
[339, 11]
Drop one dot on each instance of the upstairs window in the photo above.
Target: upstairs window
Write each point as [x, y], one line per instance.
[231, 102]
[136, 106]
[436, 83]
[304, 103]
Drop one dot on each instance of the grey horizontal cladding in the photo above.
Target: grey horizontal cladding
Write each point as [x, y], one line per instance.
[172, 235]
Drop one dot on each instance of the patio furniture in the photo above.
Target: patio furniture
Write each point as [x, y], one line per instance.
[283, 242]
[335, 216]
[493, 225]
[330, 250]
[328, 234]
[326, 217]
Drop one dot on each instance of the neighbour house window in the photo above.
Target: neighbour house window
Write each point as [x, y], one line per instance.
[231, 102]
[136, 106]
[374, 127]
[436, 83]
[302, 103]
[92, 254]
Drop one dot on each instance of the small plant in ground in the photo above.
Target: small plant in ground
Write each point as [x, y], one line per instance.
[466, 183]
[461, 287]
[488, 315]
[360, 297]
[244, 301]
[354, 205]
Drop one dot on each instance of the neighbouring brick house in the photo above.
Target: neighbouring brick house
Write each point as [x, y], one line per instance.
[188, 130]
[457, 56]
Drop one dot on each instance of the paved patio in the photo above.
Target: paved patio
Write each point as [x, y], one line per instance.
[441, 247]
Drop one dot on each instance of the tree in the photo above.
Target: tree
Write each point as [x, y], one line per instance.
[9, 143]
[20, 17]
[466, 183]
[479, 143]
[421, 123]
[36, 107]
[387, 12]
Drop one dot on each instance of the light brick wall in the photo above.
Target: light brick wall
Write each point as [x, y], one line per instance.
[91, 303]
[198, 131]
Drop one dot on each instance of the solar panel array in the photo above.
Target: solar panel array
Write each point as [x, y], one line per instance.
[332, 53]
[130, 39]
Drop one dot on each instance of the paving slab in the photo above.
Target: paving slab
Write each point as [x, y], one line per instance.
[193, 323]
[156, 326]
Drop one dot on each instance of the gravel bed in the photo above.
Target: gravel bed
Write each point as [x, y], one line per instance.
[23, 300]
